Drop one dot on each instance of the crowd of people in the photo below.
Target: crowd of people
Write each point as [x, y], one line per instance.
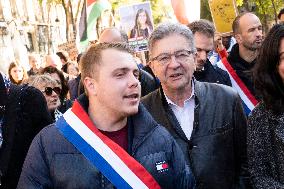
[206, 111]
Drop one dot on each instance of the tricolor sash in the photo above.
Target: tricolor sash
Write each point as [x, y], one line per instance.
[122, 170]
[249, 101]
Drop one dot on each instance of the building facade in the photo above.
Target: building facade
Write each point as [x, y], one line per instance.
[26, 26]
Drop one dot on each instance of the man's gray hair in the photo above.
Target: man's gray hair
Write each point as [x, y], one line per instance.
[168, 28]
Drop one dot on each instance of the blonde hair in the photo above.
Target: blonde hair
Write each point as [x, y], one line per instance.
[38, 80]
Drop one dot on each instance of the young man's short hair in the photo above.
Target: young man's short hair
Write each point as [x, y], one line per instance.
[91, 59]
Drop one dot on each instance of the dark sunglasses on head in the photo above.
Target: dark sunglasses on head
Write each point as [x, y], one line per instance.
[48, 90]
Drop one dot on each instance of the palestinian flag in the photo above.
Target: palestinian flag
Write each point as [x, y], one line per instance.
[90, 13]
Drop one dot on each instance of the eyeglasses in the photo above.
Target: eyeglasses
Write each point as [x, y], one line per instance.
[48, 90]
[180, 56]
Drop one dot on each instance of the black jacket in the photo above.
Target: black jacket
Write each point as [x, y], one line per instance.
[266, 148]
[53, 162]
[148, 83]
[25, 115]
[216, 151]
[75, 87]
[213, 74]
[242, 68]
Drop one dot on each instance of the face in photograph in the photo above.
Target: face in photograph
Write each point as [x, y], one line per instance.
[142, 18]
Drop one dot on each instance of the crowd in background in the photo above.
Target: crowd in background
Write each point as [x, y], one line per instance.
[229, 144]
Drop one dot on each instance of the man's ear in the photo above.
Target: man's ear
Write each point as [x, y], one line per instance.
[238, 38]
[90, 86]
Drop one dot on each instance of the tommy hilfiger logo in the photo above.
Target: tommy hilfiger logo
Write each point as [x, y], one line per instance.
[162, 166]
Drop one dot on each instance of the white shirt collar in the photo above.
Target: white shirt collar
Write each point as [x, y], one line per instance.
[169, 101]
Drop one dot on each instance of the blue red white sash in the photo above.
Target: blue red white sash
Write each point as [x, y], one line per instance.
[122, 170]
[249, 101]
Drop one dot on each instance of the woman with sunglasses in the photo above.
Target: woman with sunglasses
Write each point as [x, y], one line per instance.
[62, 83]
[51, 91]
[23, 113]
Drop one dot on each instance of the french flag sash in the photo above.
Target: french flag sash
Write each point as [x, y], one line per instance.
[122, 170]
[249, 101]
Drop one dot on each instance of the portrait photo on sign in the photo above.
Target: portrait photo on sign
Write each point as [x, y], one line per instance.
[137, 21]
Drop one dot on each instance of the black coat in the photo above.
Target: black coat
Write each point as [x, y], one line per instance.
[75, 88]
[216, 150]
[25, 115]
[266, 148]
[213, 74]
[148, 83]
[242, 68]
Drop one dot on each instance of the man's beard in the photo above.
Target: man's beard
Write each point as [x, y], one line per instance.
[252, 46]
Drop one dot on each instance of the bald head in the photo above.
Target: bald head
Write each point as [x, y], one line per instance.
[247, 29]
[53, 60]
[111, 35]
[243, 19]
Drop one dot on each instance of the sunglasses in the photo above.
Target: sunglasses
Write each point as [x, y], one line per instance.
[48, 90]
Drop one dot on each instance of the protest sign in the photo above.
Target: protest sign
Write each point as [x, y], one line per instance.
[223, 13]
[71, 48]
[137, 21]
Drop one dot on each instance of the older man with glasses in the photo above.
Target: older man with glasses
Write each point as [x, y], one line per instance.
[206, 119]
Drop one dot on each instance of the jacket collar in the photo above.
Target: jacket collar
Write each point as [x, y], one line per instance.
[234, 57]
[140, 125]
[198, 93]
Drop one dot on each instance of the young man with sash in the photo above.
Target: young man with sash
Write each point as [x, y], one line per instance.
[107, 139]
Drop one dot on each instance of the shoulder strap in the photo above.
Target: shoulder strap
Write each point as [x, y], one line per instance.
[249, 100]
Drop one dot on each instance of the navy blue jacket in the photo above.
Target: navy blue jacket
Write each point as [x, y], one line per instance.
[53, 162]
[242, 68]
[213, 74]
